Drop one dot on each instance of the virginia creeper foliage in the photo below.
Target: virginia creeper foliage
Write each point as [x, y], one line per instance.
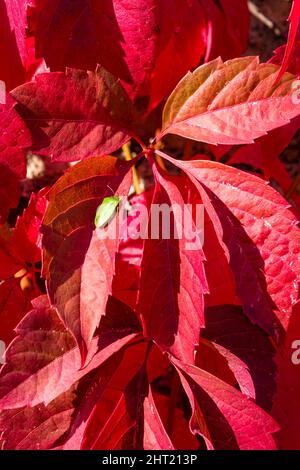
[119, 342]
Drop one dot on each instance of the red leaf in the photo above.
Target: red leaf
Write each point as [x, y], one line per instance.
[79, 263]
[281, 176]
[59, 396]
[294, 60]
[14, 303]
[8, 264]
[132, 362]
[125, 282]
[169, 34]
[128, 261]
[76, 114]
[38, 427]
[233, 420]
[285, 408]
[135, 337]
[133, 422]
[294, 20]
[230, 103]
[64, 419]
[182, 437]
[17, 55]
[259, 235]
[264, 153]
[26, 239]
[221, 363]
[53, 364]
[173, 281]
[155, 436]
[21, 249]
[228, 24]
[227, 326]
[95, 386]
[264, 156]
[111, 376]
[20, 258]
[180, 45]
[14, 139]
[222, 287]
[12, 42]
[131, 249]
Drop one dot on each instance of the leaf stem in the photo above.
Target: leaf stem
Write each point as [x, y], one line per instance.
[160, 162]
[135, 177]
[139, 141]
[158, 145]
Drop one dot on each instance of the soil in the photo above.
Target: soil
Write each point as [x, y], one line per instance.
[269, 27]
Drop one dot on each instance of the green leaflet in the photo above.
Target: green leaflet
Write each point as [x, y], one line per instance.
[106, 211]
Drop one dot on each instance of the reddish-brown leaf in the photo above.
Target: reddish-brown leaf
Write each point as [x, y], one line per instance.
[230, 103]
[79, 261]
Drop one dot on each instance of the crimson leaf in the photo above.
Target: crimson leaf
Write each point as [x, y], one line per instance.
[294, 20]
[172, 312]
[233, 420]
[75, 114]
[250, 218]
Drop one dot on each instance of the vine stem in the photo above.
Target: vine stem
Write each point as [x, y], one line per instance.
[135, 177]
[160, 162]
[158, 145]
[139, 141]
